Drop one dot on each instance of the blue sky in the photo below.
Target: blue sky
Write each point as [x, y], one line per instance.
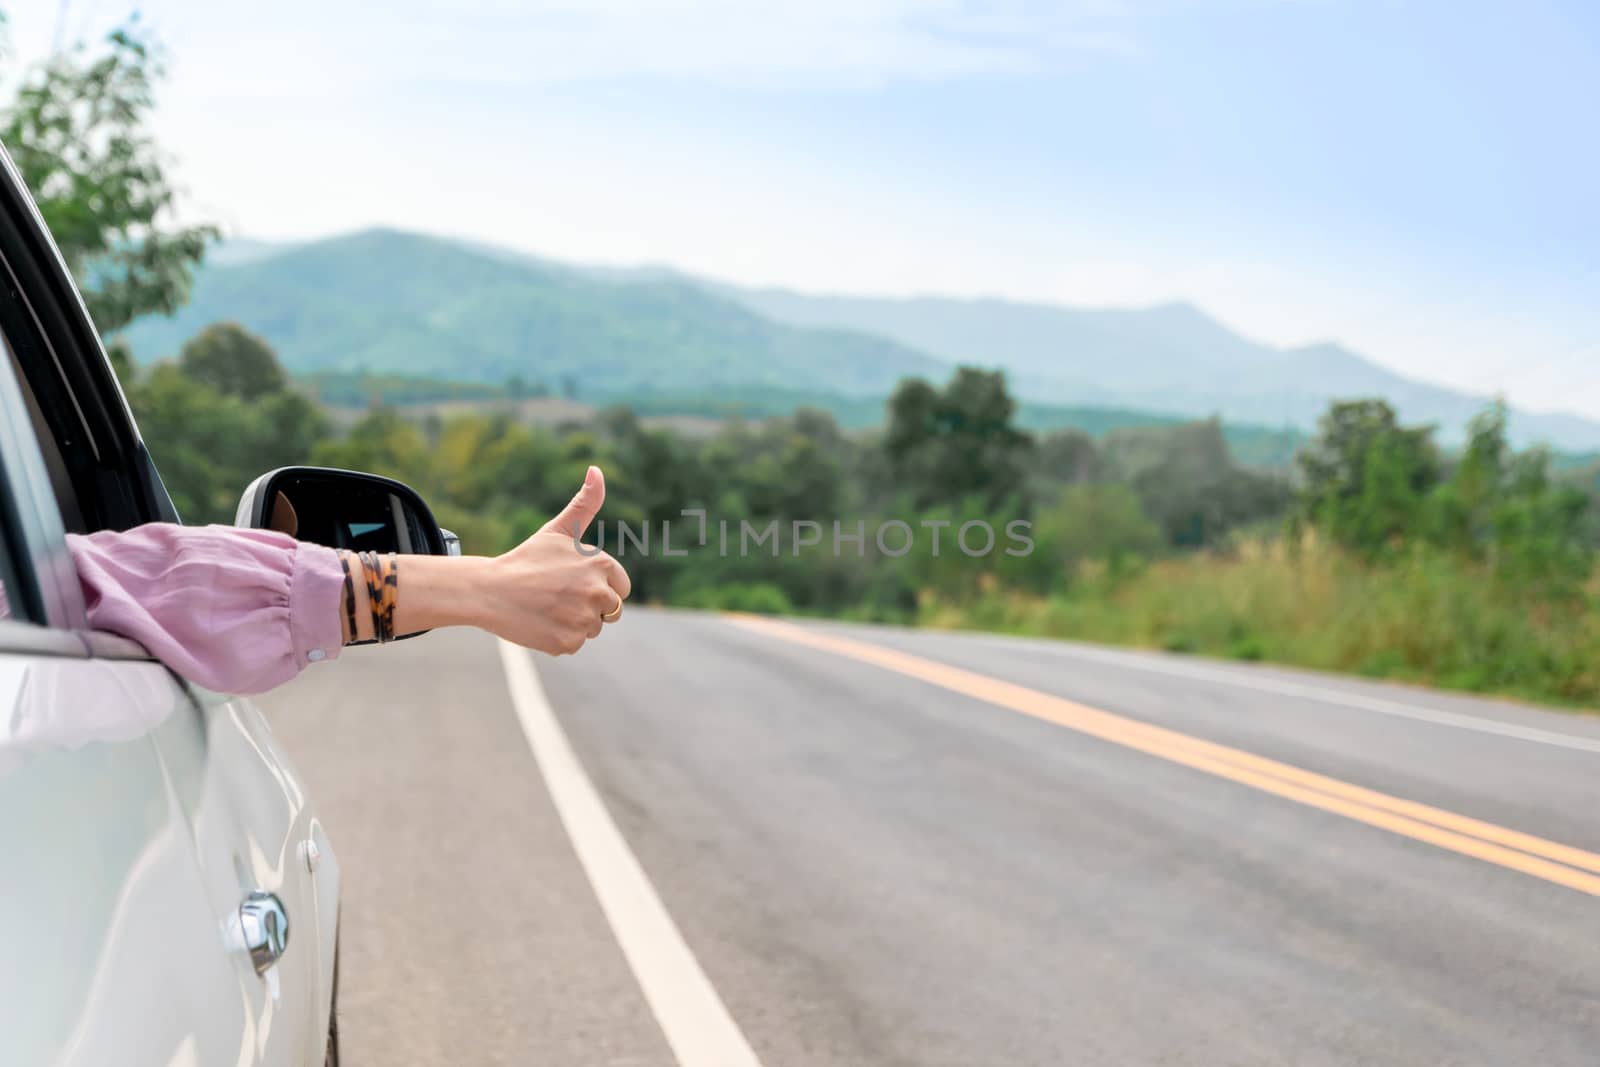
[1416, 179]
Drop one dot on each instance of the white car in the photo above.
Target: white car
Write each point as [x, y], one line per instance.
[167, 894]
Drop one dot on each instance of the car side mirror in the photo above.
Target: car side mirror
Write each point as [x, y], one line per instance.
[344, 509]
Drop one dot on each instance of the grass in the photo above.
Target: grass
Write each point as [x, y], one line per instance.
[1428, 619]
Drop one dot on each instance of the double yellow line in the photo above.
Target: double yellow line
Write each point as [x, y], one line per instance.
[1512, 849]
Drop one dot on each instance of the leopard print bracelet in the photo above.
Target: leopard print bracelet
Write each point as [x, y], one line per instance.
[369, 571]
[383, 586]
[391, 595]
[349, 600]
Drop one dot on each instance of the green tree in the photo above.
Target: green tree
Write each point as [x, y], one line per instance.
[233, 361]
[1541, 530]
[200, 441]
[210, 438]
[1188, 482]
[1102, 523]
[1065, 457]
[1462, 508]
[946, 445]
[79, 134]
[287, 427]
[1365, 478]
[382, 442]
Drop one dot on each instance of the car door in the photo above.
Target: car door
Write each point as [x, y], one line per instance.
[245, 812]
[257, 837]
[112, 951]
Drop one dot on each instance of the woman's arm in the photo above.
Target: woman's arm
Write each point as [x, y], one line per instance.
[245, 610]
[234, 610]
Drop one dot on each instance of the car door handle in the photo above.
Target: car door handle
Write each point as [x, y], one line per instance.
[265, 926]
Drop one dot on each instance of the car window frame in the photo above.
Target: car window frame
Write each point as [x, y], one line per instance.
[19, 584]
[63, 366]
[115, 482]
[47, 592]
[49, 616]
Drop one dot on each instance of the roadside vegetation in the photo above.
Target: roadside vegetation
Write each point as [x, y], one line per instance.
[1375, 551]
[1379, 554]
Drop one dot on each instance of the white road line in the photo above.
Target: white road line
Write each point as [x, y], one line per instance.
[1319, 694]
[690, 1013]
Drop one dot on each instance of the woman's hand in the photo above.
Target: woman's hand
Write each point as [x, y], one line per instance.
[548, 593]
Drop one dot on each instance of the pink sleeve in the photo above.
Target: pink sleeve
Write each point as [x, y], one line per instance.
[236, 611]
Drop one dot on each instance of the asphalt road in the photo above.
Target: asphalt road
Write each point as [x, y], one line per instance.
[878, 863]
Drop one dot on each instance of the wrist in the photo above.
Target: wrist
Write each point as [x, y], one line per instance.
[439, 591]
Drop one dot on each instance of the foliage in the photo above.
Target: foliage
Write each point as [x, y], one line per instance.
[1421, 616]
[1381, 490]
[1505, 510]
[233, 361]
[1188, 481]
[945, 445]
[209, 444]
[1062, 458]
[1471, 572]
[1251, 446]
[78, 133]
[221, 415]
[1364, 477]
[1101, 524]
[760, 598]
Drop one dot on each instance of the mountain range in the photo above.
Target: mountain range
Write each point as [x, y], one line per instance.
[391, 302]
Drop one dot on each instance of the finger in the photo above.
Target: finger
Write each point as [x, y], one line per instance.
[608, 603]
[581, 510]
[617, 578]
[595, 628]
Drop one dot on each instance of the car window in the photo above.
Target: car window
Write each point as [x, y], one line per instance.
[40, 584]
[30, 365]
[98, 471]
[18, 587]
[8, 581]
[55, 463]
